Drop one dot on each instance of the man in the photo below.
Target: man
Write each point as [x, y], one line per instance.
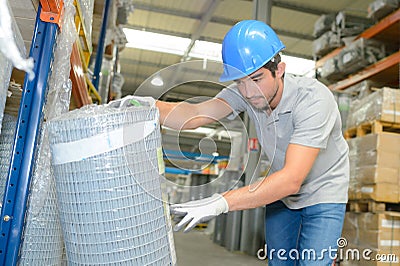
[306, 192]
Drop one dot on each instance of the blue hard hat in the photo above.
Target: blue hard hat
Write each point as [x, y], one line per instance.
[248, 46]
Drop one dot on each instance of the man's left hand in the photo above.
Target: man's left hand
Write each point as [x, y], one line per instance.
[198, 211]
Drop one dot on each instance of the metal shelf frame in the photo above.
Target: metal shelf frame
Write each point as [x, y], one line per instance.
[100, 45]
[28, 128]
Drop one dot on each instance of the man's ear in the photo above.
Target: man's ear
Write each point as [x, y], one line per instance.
[280, 69]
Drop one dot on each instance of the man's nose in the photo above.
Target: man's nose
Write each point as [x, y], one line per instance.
[249, 89]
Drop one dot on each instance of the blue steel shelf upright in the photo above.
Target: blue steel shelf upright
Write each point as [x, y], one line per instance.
[28, 128]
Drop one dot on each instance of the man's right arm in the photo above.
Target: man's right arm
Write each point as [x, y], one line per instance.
[184, 115]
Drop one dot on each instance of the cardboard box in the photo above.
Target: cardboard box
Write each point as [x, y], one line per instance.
[381, 192]
[375, 233]
[384, 105]
[372, 174]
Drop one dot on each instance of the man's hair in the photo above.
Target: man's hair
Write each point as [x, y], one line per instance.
[272, 65]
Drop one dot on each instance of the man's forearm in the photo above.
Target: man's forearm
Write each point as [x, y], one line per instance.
[271, 189]
[179, 115]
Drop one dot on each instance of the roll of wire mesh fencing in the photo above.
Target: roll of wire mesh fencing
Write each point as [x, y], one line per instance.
[42, 241]
[107, 166]
[6, 143]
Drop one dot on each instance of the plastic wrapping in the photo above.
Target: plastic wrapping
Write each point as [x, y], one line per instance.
[348, 26]
[5, 73]
[11, 42]
[359, 90]
[324, 23]
[326, 43]
[377, 232]
[374, 167]
[87, 13]
[43, 242]
[125, 8]
[107, 168]
[8, 50]
[116, 88]
[359, 54]
[59, 84]
[383, 105]
[6, 141]
[381, 8]
[330, 70]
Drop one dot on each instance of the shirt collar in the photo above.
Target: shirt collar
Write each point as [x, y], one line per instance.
[285, 105]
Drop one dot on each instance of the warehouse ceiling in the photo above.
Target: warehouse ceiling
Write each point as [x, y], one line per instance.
[204, 20]
[188, 77]
[209, 20]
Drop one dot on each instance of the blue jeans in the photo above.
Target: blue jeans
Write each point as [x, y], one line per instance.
[304, 236]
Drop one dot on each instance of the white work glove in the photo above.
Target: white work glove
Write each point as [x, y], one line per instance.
[198, 211]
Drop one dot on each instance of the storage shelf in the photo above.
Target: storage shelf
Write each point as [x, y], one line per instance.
[385, 31]
[384, 72]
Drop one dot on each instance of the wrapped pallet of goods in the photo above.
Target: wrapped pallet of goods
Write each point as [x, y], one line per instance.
[370, 239]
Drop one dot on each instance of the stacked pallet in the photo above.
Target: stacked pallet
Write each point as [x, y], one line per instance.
[372, 222]
[370, 239]
[374, 141]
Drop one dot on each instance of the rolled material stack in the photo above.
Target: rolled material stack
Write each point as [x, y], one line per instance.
[108, 166]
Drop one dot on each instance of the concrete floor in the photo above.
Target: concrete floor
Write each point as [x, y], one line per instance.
[196, 248]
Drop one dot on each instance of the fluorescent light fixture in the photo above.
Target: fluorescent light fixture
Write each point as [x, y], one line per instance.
[157, 80]
[207, 50]
[163, 43]
[156, 42]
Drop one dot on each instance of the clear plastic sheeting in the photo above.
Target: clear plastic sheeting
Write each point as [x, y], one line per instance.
[87, 7]
[6, 142]
[383, 105]
[111, 206]
[59, 84]
[359, 54]
[5, 73]
[11, 42]
[10, 37]
[323, 24]
[326, 43]
[381, 8]
[43, 241]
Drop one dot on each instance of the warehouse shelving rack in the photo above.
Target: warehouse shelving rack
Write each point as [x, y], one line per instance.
[82, 87]
[30, 118]
[29, 121]
[385, 71]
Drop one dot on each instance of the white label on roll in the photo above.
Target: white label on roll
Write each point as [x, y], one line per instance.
[111, 140]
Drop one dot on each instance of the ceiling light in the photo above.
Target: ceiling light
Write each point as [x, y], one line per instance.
[164, 43]
[157, 80]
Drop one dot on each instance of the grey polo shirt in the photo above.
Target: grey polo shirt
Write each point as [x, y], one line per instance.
[306, 115]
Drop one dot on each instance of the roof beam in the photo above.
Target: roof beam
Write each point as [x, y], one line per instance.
[191, 15]
[212, 6]
[316, 11]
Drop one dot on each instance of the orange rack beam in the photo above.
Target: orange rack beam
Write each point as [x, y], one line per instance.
[51, 10]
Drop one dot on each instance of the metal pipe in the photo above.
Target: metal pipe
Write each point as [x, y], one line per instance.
[100, 45]
[24, 147]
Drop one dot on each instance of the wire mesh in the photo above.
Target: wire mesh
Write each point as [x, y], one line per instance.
[42, 242]
[110, 204]
[6, 141]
